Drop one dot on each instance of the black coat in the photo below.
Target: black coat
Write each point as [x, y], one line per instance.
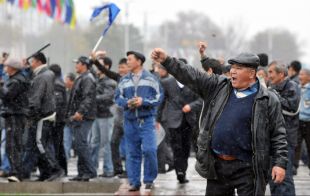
[289, 96]
[14, 95]
[83, 97]
[175, 98]
[41, 94]
[61, 100]
[105, 97]
[267, 126]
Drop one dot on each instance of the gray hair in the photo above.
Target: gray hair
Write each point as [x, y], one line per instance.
[280, 67]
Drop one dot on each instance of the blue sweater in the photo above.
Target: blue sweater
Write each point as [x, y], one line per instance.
[148, 88]
[232, 132]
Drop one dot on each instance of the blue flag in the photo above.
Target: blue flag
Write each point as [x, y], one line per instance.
[113, 11]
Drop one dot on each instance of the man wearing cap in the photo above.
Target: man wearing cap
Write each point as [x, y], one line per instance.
[81, 113]
[41, 116]
[139, 93]
[14, 110]
[241, 126]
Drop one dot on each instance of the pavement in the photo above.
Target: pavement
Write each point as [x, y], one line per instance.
[165, 184]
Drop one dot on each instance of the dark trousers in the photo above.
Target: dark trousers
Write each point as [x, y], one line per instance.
[14, 126]
[232, 175]
[58, 140]
[303, 134]
[117, 135]
[180, 140]
[82, 147]
[39, 151]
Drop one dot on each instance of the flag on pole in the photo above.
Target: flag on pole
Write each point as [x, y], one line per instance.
[70, 17]
[113, 12]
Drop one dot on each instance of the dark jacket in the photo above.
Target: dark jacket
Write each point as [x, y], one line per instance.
[289, 96]
[83, 97]
[105, 97]
[170, 111]
[61, 100]
[14, 95]
[268, 131]
[41, 94]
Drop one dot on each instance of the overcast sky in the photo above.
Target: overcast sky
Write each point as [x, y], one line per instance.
[255, 15]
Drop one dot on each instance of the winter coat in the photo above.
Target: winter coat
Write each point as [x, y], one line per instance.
[14, 95]
[289, 95]
[83, 97]
[105, 97]
[41, 94]
[267, 126]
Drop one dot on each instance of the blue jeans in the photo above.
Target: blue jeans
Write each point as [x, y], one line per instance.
[81, 132]
[67, 141]
[5, 164]
[101, 137]
[287, 187]
[141, 141]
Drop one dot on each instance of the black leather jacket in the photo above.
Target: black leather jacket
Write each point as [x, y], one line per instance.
[289, 95]
[105, 97]
[268, 131]
[13, 94]
[41, 94]
[83, 97]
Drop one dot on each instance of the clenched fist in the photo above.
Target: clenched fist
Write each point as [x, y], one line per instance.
[159, 55]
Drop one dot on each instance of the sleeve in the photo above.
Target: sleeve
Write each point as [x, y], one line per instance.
[111, 74]
[199, 82]
[278, 139]
[120, 99]
[196, 105]
[157, 97]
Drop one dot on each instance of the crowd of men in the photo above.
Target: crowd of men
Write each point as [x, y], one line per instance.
[246, 121]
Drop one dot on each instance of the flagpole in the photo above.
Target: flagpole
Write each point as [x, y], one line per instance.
[97, 44]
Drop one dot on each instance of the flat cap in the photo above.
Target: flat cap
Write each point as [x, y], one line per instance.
[245, 59]
[13, 63]
[138, 55]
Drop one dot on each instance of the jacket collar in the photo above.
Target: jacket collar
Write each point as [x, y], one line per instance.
[39, 69]
[281, 86]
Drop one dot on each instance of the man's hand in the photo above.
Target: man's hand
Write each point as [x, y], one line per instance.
[278, 174]
[159, 55]
[138, 101]
[135, 102]
[101, 53]
[202, 48]
[187, 108]
[93, 56]
[77, 117]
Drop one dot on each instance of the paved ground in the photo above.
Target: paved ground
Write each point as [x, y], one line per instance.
[166, 184]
